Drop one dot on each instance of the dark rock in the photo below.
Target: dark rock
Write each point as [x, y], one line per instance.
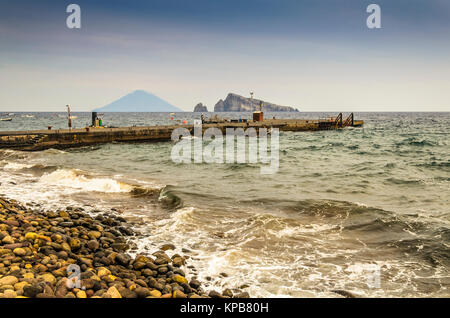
[194, 283]
[123, 259]
[93, 245]
[344, 293]
[32, 291]
[214, 294]
[166, 247]
[142, 292]
[126, 293]
[121, 247]
[228, 293]
[200, 108]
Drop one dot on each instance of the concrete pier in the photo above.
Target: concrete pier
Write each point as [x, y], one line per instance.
[36, 140]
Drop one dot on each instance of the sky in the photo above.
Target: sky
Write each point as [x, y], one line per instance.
[315, 55]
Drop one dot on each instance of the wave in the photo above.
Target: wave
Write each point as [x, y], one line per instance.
[416, 143]
[75, 179]
[435, 164]
[37, 169]
[11, 154]
[169, 199]
[15, 166]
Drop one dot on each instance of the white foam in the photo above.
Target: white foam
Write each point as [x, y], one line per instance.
[71, 179]
[14, 166]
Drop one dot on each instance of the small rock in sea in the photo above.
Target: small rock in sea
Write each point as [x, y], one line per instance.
[214, 294]
[167, 247]
[242, 295]
[194, 283]
[344, 293]
[228, 293]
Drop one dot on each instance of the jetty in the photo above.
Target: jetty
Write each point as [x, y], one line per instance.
[37, 140]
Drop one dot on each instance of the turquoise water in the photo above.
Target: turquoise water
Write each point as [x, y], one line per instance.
[342, 203]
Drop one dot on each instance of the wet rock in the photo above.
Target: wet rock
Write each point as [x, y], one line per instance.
[228, 293]
[113, 293]
[93, 245]
[126, 293]
[75, 244]
[155, 293]
[49, 278]
[20, 251]
[195, 283]
[179, 294]
[8, 280]
[81, 294]
[123, 259]
[214, 294]
[142, 292]
[9, 293]
[344, 293]
[179, 279]
[66, 224]
[121, 247]
[31, 291]
[94, 234]
[166, 247]
[8, 240]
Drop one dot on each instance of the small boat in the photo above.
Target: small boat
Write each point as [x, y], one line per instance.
[5, 119]
[11, 114]
[28, 116]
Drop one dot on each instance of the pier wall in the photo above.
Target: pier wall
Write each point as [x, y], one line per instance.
[59, 139]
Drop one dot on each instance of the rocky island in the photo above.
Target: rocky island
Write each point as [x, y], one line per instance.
[237, 103]
[200, 108]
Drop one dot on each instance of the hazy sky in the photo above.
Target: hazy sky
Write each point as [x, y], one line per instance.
[316, 55]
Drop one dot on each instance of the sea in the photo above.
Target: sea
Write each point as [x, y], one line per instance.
[364, 210]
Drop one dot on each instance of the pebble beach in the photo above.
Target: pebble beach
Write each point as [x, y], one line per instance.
[37, 248]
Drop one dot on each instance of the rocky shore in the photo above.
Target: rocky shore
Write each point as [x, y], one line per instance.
[70, 254]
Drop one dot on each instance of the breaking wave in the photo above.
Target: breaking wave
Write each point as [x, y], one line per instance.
[74, 179]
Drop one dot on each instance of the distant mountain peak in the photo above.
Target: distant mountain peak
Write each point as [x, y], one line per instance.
[139, 101]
